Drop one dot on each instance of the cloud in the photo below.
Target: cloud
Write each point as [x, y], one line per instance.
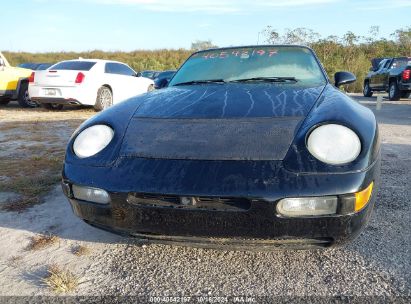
[244, 6]
[291, 3]
[213, 6]
[382, 5]
[204, 25]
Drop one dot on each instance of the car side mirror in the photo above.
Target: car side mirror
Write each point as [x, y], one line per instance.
[341, 78]
[138, 74]
[162, 83]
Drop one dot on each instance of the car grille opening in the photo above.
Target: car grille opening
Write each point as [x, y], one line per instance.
[208, 203]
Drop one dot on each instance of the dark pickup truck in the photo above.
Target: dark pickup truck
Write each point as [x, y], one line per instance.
[392, 75]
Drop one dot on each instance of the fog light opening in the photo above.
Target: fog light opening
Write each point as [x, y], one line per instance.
[307, 206]
[90, 194]
[363, 197]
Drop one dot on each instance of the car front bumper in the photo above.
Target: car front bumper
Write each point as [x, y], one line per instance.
[257, 227]
[249, 230]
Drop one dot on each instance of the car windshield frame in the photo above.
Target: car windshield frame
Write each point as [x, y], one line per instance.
[321, 74]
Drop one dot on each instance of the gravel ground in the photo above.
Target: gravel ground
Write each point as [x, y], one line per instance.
[376, 264]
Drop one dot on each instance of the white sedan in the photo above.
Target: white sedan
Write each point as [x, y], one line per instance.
[94, 82]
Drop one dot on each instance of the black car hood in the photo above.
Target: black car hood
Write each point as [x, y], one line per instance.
[219, 122]
[230, 101]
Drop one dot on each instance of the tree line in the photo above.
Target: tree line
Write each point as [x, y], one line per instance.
[139, 60]
[348, 52]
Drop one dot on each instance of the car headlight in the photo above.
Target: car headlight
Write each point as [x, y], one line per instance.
[91, 194]
[92, 140]
[307, 206]
[334, 144]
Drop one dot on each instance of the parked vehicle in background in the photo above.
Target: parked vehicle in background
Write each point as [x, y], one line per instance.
[163, 79]
[94, 82]
[149, 74]
[35, 66]
[392, 75]
[14, 84]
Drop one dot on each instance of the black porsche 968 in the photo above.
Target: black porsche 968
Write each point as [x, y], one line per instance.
[247, 147]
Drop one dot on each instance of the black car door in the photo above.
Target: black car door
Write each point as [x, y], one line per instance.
[384, 74]
[374, 78]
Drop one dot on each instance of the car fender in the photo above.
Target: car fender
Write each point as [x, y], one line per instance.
[10, 77]
[392, 78]
[20, 81]
[335, 107]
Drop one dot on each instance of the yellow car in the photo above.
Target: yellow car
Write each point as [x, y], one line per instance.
[14, 84]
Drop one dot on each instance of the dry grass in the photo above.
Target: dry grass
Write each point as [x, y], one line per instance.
[21, 204]
[31, 171]
[81, 250]
[17, 115]
[42, 241]
[33, 145]
[60, 280]
[31, 178]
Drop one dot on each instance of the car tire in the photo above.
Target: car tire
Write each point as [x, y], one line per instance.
[4, 101]
[367, 90]
[104, 99]
[394, 93]
[23, 98]
[52, 106]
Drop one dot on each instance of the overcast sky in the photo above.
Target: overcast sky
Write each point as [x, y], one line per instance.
[80, 25]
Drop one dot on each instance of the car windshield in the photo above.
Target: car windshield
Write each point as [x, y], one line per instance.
[252, 64]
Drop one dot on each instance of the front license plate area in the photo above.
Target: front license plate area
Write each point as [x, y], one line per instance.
[193, 203]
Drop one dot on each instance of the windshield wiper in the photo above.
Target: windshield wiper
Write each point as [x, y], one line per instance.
[266, 79]
[200, 81]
